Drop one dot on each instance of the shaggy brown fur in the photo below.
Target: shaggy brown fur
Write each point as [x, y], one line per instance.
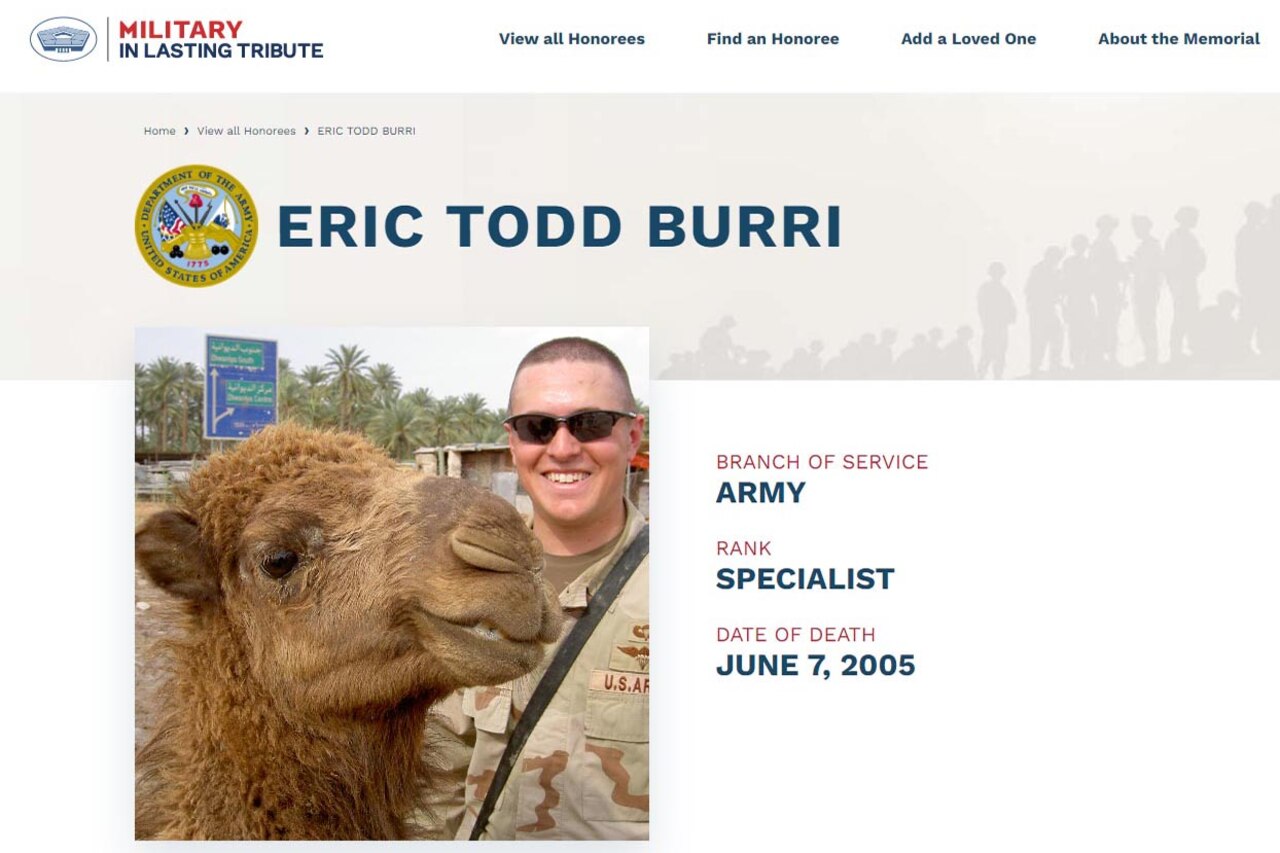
[331, 598]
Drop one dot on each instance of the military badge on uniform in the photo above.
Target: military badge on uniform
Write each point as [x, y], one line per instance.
[632, 653]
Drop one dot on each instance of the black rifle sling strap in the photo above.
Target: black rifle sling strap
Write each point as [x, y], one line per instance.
[599, 604]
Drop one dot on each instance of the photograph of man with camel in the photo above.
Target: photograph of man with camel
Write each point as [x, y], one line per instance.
[312, 614]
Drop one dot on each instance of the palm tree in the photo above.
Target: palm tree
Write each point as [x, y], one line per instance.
[350, 379]
[386, 385]
[398, 427]
[496, 432]
[421, 397]
[191, 396]
[164, 375]
[474, 417]
[441, 420]
[290, 395]
[140, 409]
[315, 382]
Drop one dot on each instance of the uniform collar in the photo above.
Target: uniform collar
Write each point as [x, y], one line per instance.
[576, 595]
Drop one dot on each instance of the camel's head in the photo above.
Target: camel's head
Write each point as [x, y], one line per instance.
[350, 584]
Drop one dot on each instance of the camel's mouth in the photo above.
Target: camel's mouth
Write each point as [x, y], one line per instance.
[495, 634]
[485, 631]
[491, 632]
[483, 651]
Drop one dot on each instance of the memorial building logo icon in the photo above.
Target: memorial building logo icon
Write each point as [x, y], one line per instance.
[196, 225]
[63, 39]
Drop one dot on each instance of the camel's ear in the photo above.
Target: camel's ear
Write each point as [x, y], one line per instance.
[167, 546]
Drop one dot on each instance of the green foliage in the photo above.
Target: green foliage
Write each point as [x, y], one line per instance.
[343, 393]
[398, 427]
[350, 377]
[166, 406]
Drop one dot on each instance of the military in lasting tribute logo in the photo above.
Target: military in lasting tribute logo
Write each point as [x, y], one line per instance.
[196, 226]
[63, 39]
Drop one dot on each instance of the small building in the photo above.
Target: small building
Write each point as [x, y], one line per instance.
[474, 462]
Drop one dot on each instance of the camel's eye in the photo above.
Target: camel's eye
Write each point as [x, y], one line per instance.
[279, 563]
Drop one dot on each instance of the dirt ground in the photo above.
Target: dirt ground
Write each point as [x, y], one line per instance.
[155, 615]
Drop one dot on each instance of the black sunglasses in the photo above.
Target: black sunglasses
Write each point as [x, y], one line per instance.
[584, 426]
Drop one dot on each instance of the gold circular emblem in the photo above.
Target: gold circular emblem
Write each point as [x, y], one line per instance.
[196, 226]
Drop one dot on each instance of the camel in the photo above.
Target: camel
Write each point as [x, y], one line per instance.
[329, 599]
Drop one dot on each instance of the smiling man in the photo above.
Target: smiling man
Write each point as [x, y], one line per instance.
[573, 432]
[583, 772]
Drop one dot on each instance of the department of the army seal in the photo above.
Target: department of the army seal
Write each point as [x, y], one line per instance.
[196, 226]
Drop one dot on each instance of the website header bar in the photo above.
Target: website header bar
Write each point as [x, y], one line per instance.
[667, 47]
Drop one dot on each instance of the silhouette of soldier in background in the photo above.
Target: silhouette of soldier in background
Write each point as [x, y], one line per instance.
[1108, 279]
[1267, 315]
[1044, 292]
[682, 365]
[996, 313]
[957, 356]
[1217, 340]
[1184, 260]
[880, 358]
[755, 364]
[803, 364]
[866, 353]
[914, 361]
[1080, 315]
[935, 352]
[1253, 266]
[1146, 267]
[717, 354]
[846, 365]
[1082, 295]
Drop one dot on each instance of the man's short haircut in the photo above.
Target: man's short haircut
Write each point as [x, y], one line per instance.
[577, 349]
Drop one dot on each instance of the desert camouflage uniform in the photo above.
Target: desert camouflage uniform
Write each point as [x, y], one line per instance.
[584, 772]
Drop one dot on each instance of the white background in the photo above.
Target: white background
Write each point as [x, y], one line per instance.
[1087, 576]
